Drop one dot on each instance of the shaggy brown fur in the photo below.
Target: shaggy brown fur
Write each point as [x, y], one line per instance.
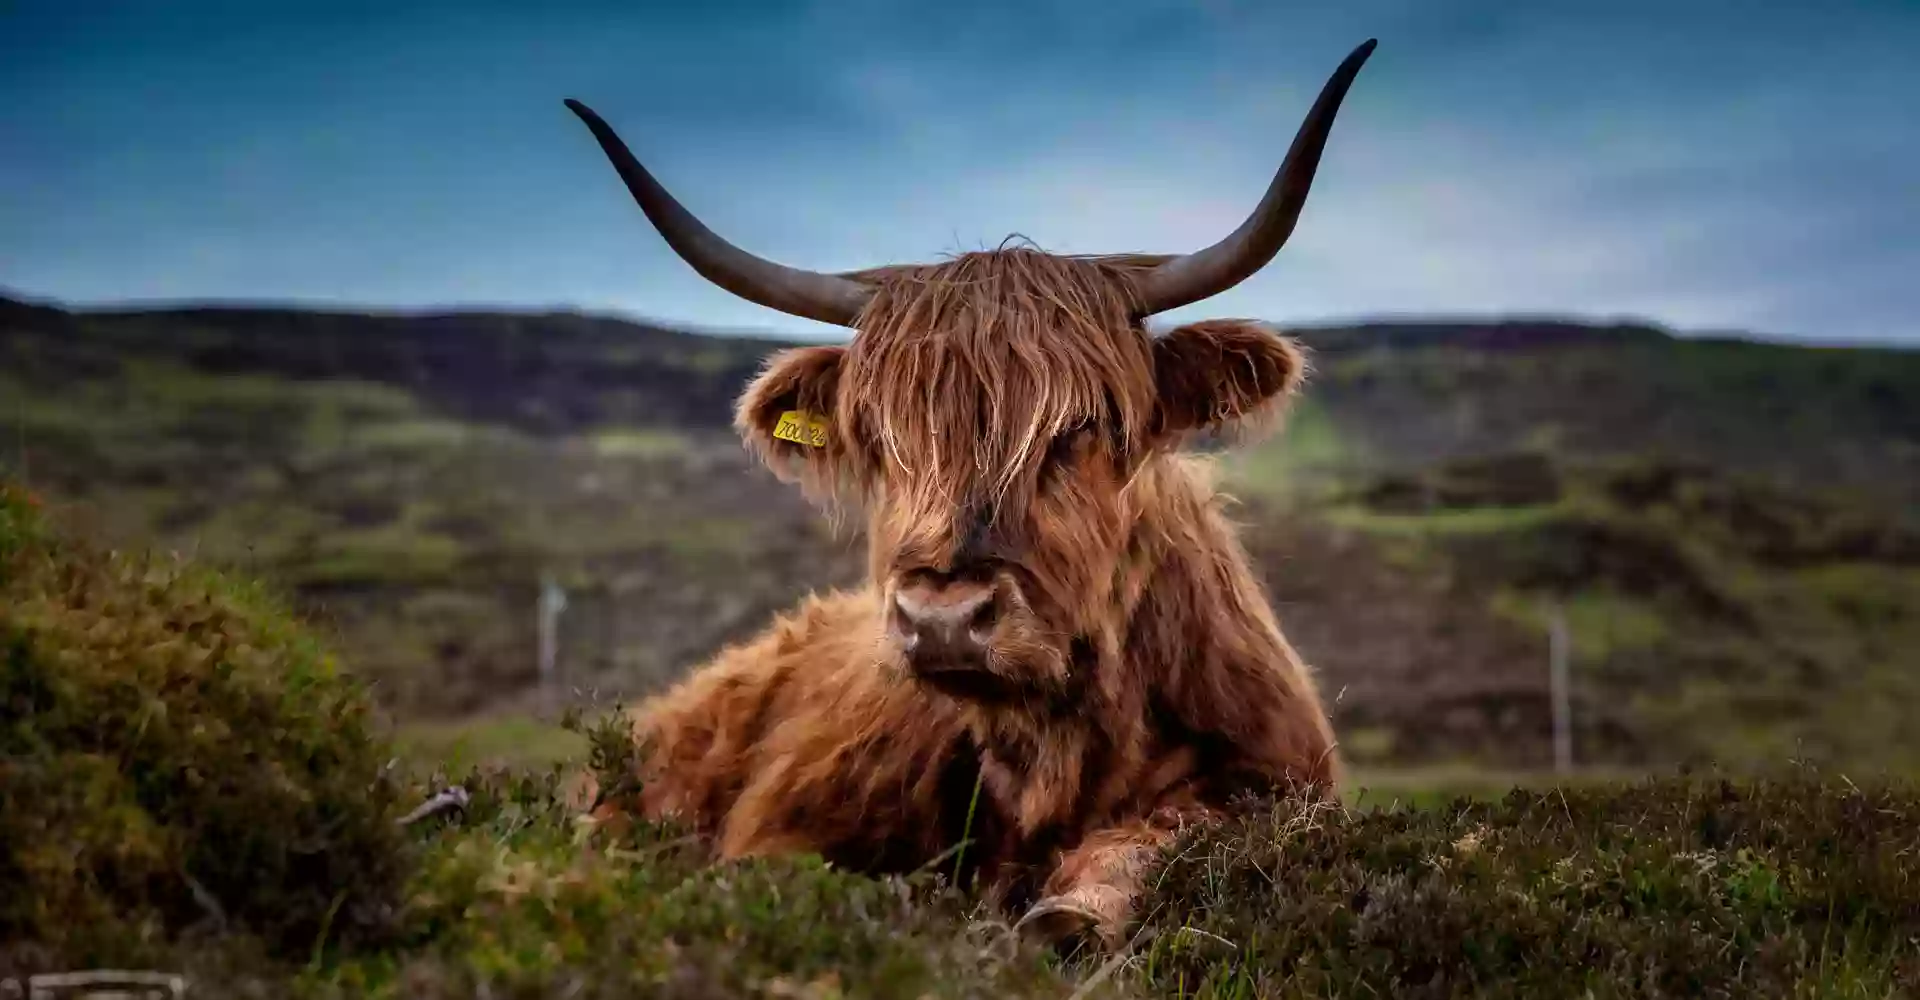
[1006, 409]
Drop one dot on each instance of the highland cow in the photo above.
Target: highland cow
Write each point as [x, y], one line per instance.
[1062, 653]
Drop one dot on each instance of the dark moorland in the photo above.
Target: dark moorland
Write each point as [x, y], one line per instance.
[1732, 528]
[250, 558]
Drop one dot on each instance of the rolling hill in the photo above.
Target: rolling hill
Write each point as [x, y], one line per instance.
[1727, 526]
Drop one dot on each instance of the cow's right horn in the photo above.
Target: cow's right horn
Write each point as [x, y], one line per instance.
[1247, 249]
[828, 298]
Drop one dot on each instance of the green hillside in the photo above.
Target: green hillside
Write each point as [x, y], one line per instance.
[1728, 526]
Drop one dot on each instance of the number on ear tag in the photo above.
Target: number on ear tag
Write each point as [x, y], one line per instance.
[800, 427]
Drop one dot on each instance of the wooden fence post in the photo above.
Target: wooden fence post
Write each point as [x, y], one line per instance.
[1559, 650]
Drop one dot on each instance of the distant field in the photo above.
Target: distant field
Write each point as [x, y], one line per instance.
[1729, 528]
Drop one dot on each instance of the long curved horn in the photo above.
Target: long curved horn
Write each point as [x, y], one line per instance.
[1247, 249]
[825, 297]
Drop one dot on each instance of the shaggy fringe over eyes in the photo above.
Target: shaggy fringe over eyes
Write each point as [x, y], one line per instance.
[964, 372]
[971, 366]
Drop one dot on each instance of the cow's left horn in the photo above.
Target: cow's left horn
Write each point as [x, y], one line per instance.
[1247, 249]
[828, 298]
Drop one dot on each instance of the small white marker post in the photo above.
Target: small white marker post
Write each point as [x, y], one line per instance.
[553, 600]
[1557, 654]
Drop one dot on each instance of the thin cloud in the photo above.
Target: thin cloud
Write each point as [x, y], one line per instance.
[1714, 166]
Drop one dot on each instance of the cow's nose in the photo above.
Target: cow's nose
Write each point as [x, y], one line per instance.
[944, 622]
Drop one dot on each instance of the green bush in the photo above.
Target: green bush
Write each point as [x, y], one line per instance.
[177, 757]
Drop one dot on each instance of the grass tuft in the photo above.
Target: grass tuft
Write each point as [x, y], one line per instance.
[192, 785]
[1795, 885]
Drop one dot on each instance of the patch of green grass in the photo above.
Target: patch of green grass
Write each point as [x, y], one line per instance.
[709, 361]
[1458, 521]
[632, 442]
[394, 553]
[1600, 623]
[157, 420]
[425, 434]
[693, 538]
[690, 541]
[1367, 742]
[1439, 784]
[29, 413]
[1307, 447]
[511, 742]
[1865, 592]
[310, 415]
[249, 531]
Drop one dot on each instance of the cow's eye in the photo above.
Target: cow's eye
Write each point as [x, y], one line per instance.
[1068, 445]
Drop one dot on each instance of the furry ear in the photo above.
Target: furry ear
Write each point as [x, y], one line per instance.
[793, 396]
[1222, 372]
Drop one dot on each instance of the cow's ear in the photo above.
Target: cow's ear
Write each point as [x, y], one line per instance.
[786, 414]
[1224, 374]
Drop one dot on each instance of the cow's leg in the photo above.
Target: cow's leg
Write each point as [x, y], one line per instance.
[799, 742]
[1095, 886]
[697, 742]
[887, 801]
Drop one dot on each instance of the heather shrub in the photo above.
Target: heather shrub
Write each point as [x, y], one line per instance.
[1792, 885]
[178, 758]
[191, 784]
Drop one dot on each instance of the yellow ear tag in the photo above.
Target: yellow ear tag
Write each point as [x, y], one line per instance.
[801, 427]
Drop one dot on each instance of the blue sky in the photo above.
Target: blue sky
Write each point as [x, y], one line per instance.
[1738, 166]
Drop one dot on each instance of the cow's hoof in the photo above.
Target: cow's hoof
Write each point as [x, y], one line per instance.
[1057, 920]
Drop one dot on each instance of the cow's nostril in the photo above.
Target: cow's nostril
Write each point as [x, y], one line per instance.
[902, 620]
[985, 615]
